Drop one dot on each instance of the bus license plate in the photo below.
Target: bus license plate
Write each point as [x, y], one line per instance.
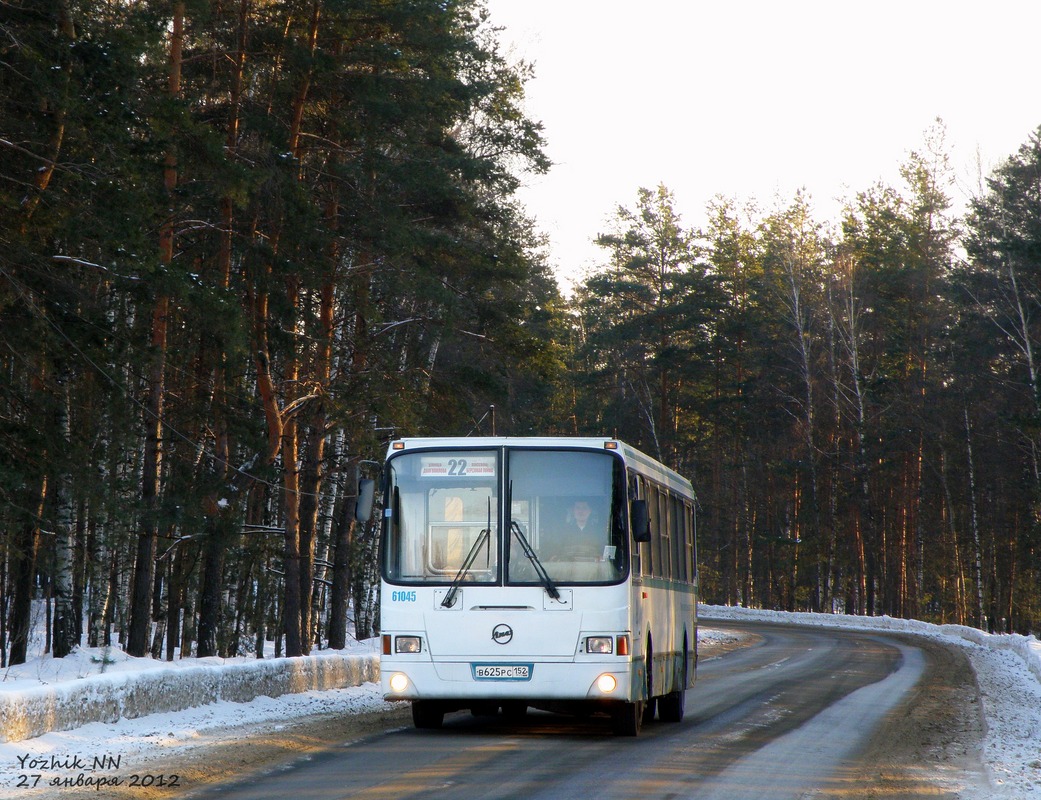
[502, 672]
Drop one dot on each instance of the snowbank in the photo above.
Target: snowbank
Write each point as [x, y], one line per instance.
[146, 687]
[1026, 647]
[96, 686]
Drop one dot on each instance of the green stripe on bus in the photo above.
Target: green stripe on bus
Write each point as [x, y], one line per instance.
[663, 583]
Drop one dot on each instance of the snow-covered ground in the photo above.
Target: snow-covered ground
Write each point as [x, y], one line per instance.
[1008, 670]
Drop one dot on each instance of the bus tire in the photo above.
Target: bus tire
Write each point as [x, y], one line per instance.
[671, 705]
[486, 709]
[628, 718]
[514, 710]
[427, 714]
[650, 706]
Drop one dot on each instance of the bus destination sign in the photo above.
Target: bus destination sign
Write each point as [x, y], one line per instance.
[458, 466]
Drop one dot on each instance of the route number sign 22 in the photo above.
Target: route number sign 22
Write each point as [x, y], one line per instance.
[461, 466]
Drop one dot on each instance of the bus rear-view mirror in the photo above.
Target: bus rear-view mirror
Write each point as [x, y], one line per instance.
[366, 496]
[641, 521]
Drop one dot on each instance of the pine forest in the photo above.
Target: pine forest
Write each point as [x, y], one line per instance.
[245, 244]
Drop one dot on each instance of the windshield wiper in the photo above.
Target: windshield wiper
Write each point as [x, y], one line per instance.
[540, 570]
[482, 537]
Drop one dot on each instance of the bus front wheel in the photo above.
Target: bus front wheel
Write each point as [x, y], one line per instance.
[427, 714]
[628, 717]
[671, 706]
[514, 710]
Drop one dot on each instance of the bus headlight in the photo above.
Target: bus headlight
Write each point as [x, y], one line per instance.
[407, 644]
[398, 682]
[604, 645]
[606, 683]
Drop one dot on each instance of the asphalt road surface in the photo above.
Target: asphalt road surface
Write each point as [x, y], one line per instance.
[800, 713]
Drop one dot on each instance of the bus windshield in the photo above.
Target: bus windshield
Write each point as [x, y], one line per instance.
[568, 506]
[440, 505]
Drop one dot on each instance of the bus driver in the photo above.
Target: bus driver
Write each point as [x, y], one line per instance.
[582, 536]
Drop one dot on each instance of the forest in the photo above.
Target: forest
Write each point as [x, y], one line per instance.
[245, 244]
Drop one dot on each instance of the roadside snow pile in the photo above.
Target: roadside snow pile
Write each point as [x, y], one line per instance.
[715, 636]
[1028, 648]
[98, 685]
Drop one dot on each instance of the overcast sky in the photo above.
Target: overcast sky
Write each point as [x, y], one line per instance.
[755, 99]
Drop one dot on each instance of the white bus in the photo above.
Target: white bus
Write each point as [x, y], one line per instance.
[555, 573]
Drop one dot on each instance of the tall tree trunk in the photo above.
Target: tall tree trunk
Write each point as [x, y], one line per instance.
[98, 597]
[282, 438]
[112, 609]
[175, 599]
[809, 421]
[213, 548]
[219, 508]
[919, 532]
[866, 528]
[748, 526]
[295, 645]
[160, 601]
[364, 583]
[148, 524]
[148, 530]
[327, 516]
[65, 624]
[23, 570]
[340, 593]
[977, 550]
[311, 478]
[833, 467]
[79, 567]
[211, 368]
[283, 427]
[4, 594]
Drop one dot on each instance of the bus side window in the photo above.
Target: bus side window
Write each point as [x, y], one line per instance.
[692, 543]
[636, 548]
[665, 533]
[679, 540]
[653, 565]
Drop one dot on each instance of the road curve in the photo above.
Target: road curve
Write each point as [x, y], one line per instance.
[790, 716]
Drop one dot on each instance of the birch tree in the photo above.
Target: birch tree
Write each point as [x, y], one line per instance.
[795, 250]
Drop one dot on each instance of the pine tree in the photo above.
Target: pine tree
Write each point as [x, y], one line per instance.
[644, 317]
[999, 292]
[795, 255]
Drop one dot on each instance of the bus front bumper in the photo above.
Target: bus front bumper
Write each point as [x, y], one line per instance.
[482, 679]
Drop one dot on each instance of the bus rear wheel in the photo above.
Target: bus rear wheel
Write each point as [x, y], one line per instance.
[671, 705]
[427, 714]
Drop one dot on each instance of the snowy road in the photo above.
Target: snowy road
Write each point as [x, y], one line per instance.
[795, 715]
